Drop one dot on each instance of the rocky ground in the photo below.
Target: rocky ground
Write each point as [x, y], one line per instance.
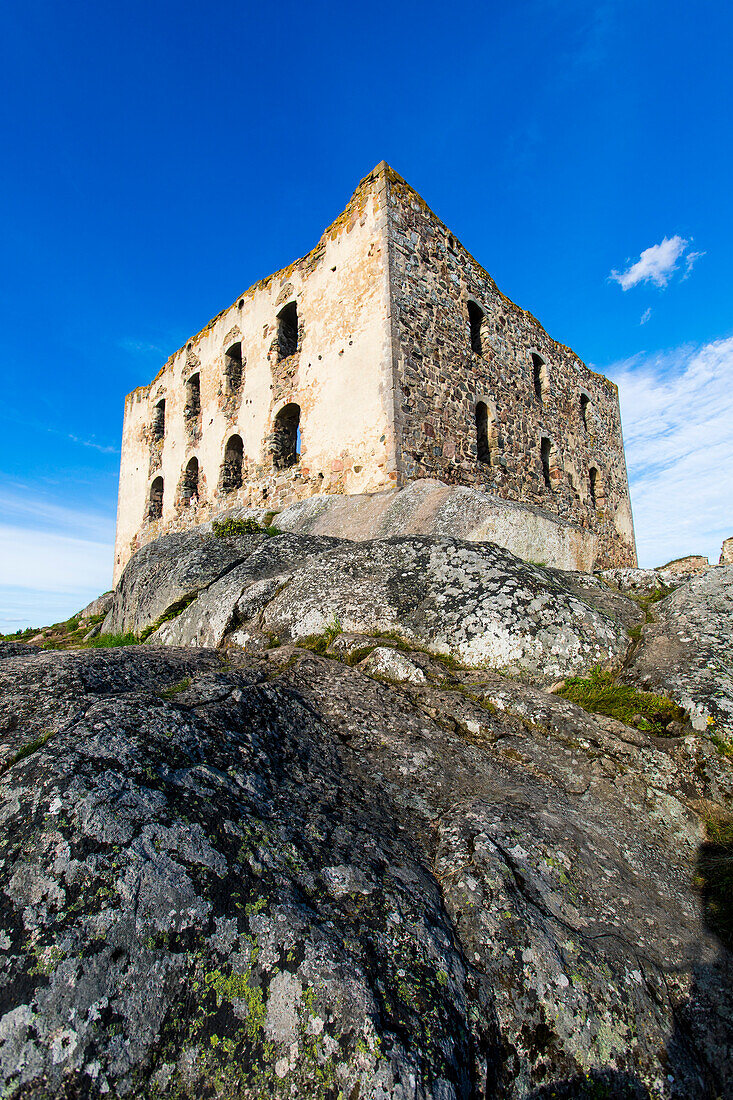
[329, 833]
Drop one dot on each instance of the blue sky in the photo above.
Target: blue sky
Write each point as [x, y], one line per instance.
[159, 158]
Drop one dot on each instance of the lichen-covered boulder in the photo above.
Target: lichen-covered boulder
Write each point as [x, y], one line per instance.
[241, 592]
[99, 606]
[169, 572]
[475, 602]
[231, 877]
[686, 650]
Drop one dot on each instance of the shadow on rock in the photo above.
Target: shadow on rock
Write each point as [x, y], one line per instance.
[598, 1085]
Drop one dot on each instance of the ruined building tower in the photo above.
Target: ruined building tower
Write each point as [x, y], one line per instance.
[385, 355]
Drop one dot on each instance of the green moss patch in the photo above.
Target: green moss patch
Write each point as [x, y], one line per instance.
[232, 528]
[602, 693]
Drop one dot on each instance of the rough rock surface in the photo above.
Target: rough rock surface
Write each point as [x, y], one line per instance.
[475, 602]
[687, 566]
[430, 507]
[639, 582]
[242, 591]
[167, 573]
[100, 606]
[687, 651]
[244, 876]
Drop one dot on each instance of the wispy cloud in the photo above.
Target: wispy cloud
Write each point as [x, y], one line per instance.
[53, 558]
[690, 260]
[46, 577]
[645, 315]
[677, 409]
[656, 264]
[23, 506]
[103, 448]
[142, 347]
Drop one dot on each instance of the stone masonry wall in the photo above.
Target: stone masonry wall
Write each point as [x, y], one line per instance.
[440, 379]
[339, 375]
[399, 335]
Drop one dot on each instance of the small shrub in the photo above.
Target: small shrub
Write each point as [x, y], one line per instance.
[230, 528]
[110, 641]
[602, 693]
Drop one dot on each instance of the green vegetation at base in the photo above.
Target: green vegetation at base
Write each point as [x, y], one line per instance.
[176, 689]
[64, 635]
[27, 750]
[231, 528]
[319, 643]
[601, 692]
[110, 641]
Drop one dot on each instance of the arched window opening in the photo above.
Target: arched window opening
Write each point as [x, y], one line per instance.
[540, 377]
[545, 455]
[584, 407]
[285, 440]
[155, 502]
[597, 491]
[476, 320]
[231, 468]
[159, 420]
[233, 368]
[193, 397]
[483, 445]
[190, 487]
[287, 330]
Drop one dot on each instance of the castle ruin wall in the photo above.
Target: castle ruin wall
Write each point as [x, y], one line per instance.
[337, 373]
[384, 356]
[459, 346]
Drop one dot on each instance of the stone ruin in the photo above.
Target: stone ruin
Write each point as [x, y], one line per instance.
[385, 356]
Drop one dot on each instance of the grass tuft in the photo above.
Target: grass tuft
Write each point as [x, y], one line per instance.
[110, 641]
[176, 689]
[602, 693]
[27, 750]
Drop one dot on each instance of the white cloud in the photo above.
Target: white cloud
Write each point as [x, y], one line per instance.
[54, 559]
[690, 259]
[646, 315]
[20, 506]
[656, 264]
[677, 411]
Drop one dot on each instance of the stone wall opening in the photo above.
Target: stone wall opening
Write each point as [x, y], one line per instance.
[545, 458]
[231, 468]
[287, 330]
[190, 486]
[285, 438]
[192, 407]
[233, 368]
[155, 499]
[597, 490]
[483, 440]
[585, 409]
[476, 323]
[540, 377]
[159, 421]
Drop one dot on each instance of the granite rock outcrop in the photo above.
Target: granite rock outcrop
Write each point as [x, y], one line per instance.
[352, 856]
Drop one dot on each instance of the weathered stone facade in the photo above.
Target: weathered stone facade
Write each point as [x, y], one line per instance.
[385, 355]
